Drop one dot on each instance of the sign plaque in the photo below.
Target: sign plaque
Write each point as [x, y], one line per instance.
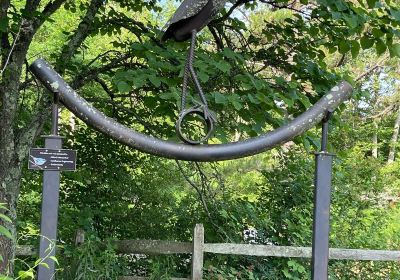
[52, 159]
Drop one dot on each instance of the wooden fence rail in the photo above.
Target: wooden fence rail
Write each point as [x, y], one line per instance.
[197, 248]
[145, 278]
[245, 249]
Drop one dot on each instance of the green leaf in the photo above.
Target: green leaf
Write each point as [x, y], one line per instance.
[287, 274]
[340, 5]
[252, 99]
[5, 232]
[229, 53]
[223, 213]
[26, 274]
[138, 47]
[203, 76]
[123, 87]
[313, 30]
[54, 259]
[377, 33]
[366, 42]
[371, 3]
[355, 49]
[380, 47]
[5, 218]
[139, 81]
[344, 46]
[223, 66]
[351, 21]
[332, 49]
[236, 102]
[220, 98]
[44, 264]
[395, 14]
[306, 144]
[169, 95]
[305, 101]
[238, 106]
[396, 49]
[155, 80]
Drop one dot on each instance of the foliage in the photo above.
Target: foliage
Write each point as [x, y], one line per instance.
[230, 273]
[3, 230]
[260, 67]
[29, 271]
[92, 260]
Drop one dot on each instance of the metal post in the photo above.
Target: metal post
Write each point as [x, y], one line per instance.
[50, 201]
[54, 115]
[322, 200]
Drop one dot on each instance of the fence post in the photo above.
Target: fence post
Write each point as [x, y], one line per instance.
[198, 252]
[79, 237]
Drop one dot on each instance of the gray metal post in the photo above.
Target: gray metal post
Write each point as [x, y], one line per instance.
[322, 200]
[50, 201]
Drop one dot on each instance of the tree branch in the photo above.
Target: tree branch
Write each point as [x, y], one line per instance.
[6, 58]
[24, 137]
[32, 5]
[217, 39]
[51, 8]
[146, 125]
[386, 111]
[83, 30]
[372, 69]
[202, 200]
[91, 73]
[341, 61]
[105, 87]
[231, 10]
[134, 26]
[4, 44]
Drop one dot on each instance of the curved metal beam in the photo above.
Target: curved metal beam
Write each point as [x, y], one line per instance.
[148, 144]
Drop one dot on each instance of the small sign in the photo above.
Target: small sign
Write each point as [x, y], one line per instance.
[50, 159]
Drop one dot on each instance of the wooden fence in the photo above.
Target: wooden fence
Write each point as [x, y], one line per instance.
[198, 247]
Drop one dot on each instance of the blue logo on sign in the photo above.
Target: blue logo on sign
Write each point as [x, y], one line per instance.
[39, 161]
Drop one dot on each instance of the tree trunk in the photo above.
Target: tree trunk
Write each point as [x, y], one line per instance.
[13, 142]
[10, 163]
[10, 183]
[375, 140]
[81, 33]
[9, 174]
[14, 139]
[395, 136]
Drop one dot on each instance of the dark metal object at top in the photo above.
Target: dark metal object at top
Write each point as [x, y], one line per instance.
[325, 126]
[191, 15]
[168, 149]
[201, 109]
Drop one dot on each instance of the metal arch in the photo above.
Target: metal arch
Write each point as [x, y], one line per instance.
[151, 145]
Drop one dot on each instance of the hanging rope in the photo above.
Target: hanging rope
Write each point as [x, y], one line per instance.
[201, 109]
